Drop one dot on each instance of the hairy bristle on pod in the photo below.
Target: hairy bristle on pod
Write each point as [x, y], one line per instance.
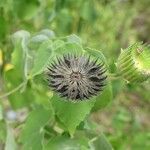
[76, 77]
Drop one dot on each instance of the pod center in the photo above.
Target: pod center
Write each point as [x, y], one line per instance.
[76, 76]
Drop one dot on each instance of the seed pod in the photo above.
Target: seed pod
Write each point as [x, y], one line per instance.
[134, 63]
[76, 77]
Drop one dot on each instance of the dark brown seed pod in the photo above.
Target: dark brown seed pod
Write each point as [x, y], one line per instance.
[76, 77]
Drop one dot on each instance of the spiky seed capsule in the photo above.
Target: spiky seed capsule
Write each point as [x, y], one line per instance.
[76, 77]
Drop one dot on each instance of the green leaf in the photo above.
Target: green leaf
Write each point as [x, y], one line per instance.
[58, 44]
[48, 52]
[71, 114]
[101, 143]
[18, 74]
[74, 39]
[49, 33]
[20, 54]
[62, 142]
[22, 99]
[33, 131]
[42, 58]
[10, 140]
[18, 99]
[40, 37]
[21, 37]
[58, 143]
[41, 91]
[68, 47]
[106, 97]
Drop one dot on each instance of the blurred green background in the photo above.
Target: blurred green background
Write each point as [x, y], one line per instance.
[107, 25]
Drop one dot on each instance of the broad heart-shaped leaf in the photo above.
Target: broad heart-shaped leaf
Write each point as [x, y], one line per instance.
[40, 37]
[32, 133]
[18, 74]
[71, 114]
[49, 51]
[42, 58]
[106, 96]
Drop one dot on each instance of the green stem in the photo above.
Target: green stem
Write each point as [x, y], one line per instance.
[13, 91]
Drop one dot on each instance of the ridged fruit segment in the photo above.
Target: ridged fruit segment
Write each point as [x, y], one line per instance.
[134, 63]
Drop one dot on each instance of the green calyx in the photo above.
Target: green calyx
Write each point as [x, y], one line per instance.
[134, 63]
